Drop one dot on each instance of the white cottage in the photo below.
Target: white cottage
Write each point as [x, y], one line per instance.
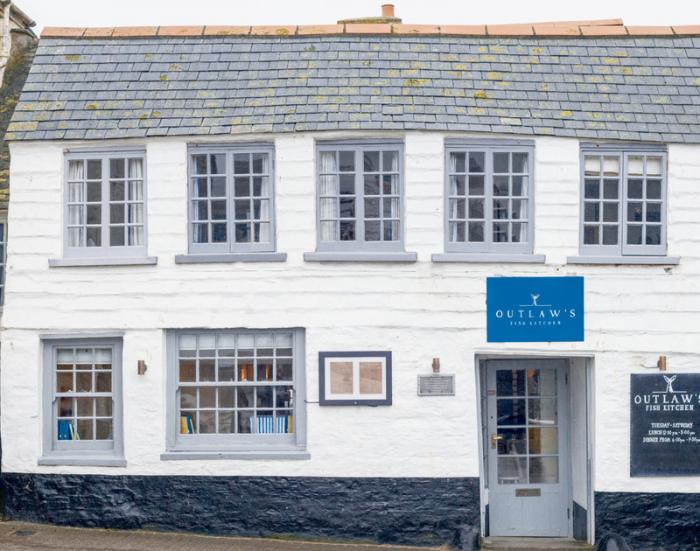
[403, 283]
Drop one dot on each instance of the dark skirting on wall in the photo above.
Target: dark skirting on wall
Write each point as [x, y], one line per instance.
[417, 511]
[650, 521]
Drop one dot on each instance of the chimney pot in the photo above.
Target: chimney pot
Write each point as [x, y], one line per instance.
[387, 10]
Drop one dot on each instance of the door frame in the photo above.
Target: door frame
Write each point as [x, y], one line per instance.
[588, 359]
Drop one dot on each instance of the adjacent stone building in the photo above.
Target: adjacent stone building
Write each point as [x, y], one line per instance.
[369, 281]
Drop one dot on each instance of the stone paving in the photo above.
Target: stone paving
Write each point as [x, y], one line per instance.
[22, 536]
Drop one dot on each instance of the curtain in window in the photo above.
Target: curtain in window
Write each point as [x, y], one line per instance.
[136, 230]
[264, 236]
[452, 203]
[520, 213]
[395, 203]
[76, 194]
[329, 190]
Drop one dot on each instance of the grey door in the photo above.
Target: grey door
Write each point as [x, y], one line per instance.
[528, 463]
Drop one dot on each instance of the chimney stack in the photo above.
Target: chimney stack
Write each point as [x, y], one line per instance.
[388, 16]
[388, 10]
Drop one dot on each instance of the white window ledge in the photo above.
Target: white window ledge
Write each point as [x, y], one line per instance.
[485, 258]
[342, 256]
[116, 261]
[240, 455]
[229, 257]
[631, 260]
[81, 461]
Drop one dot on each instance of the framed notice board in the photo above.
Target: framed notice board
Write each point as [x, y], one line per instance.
[665, 424]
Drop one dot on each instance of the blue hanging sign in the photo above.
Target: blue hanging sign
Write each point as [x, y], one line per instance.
[534, 309]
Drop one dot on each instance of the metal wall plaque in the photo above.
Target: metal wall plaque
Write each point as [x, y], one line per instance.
[665, 424]
[436, 385]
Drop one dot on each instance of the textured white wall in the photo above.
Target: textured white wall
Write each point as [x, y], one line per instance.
[418, 311]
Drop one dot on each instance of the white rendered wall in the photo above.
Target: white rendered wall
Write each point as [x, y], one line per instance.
[418, 311]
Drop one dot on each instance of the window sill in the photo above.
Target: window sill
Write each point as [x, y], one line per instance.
[239, 455]
[341, 256]
[629, 260]
[229, 257]
[72, 262]
[486, 258]
[81, 461]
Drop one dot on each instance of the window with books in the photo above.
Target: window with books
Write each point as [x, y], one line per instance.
[355, 378]
[82, 379]
[236, 390]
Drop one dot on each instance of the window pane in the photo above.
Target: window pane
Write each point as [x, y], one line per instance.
[511, 441]
[476, 161]
[117, 168]
[371, 161]
[347, 161]
[634, 235]
[543, 440]
[610, 235]
[457, 162]
[591, 235]
[511, 411]
[653, 235]
[94, 169]
[501, 163]
[544, 470]
[476, 185]
[512, 470]
[510, 382]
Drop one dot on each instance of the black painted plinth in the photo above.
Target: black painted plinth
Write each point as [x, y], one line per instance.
[418, 511]
[668, 522]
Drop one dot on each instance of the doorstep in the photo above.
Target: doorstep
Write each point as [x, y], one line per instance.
[533, 544]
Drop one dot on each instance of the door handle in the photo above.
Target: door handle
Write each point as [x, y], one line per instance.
[494, 440]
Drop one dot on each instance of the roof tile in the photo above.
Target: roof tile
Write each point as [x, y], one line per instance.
[273, 30]
[509, 30]
[134, 31]
[649, 30]
[97, 32]
[225, 30]
[466, 30]
[561, 29]
[399, 28]
[687, 29]
[63, 32]
[368, 28]
[180, 31]
[320, 29]
[603, 30]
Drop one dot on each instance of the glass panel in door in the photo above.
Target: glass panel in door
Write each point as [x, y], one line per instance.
[527, 431]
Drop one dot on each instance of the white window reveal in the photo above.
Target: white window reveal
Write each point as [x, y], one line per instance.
[231, 199]
[236, 391]
[360, 197]
[82, 402]
[105, 205]
[489, 199]
[623, 202]
[355, 378]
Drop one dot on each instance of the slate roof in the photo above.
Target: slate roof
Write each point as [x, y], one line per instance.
[611, 87]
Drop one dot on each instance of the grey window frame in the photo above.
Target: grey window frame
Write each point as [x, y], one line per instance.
[361, 245]
[104, 251]
[490, 146]
[325, 400]
[233, 444]
[230, 247]
[623, 152]
[87, 453]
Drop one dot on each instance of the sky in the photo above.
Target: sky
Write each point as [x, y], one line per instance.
[108, 13]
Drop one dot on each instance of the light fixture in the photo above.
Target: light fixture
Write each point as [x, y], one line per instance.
[142, 367]
[436, 365]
